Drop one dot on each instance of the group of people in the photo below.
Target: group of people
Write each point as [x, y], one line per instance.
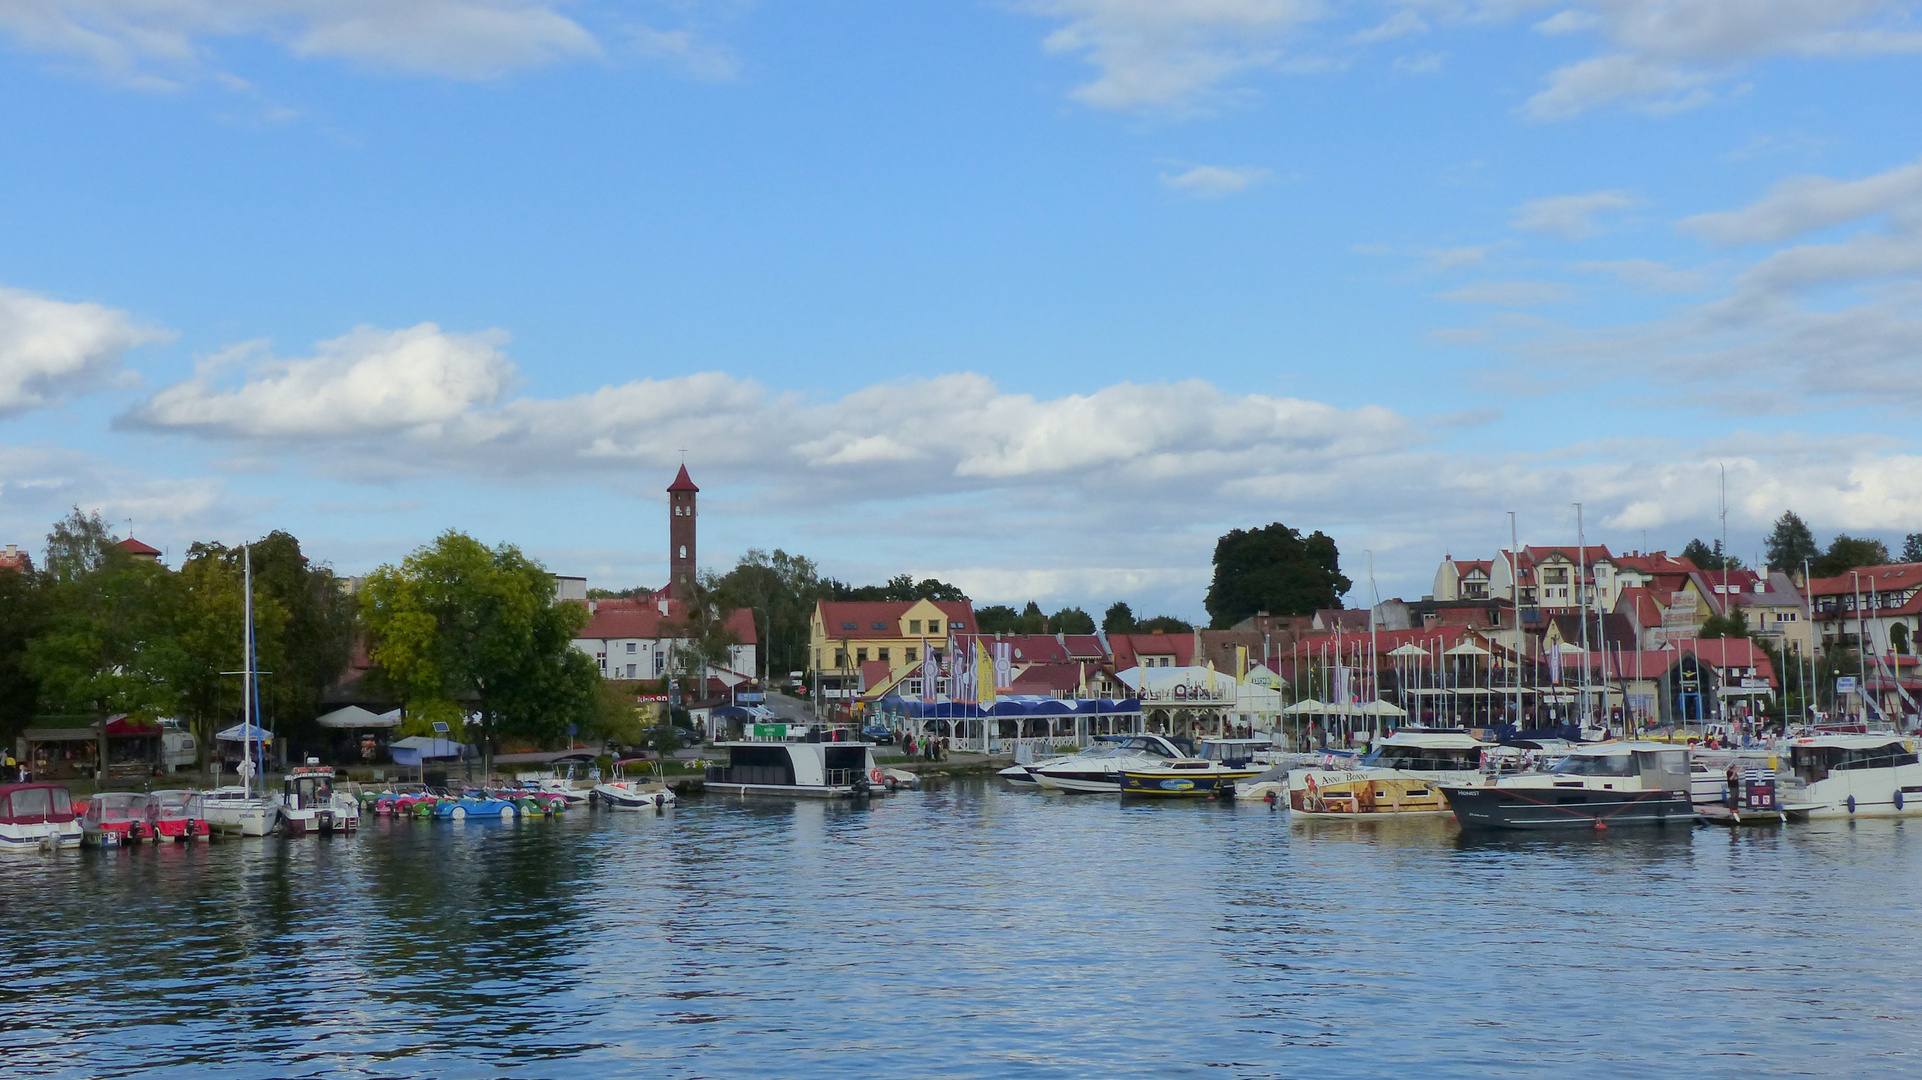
[930, 747]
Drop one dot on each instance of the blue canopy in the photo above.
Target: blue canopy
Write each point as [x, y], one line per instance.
[1010, 705]
[245, 733]
[418, 748]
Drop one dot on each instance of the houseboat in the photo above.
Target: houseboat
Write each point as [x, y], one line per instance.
[1853, 776]
[1402, 776]
[824, 770]
[37, 817]
[1598, 786]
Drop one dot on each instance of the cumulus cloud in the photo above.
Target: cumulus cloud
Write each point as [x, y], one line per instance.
[1668, 55]
[1214, 181]
[1571, 217]
[153, 42]
[39, 484]
[51, 348]
[369, 382]
[1170, 53]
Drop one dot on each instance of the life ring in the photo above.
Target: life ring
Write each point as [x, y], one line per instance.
[876, 776]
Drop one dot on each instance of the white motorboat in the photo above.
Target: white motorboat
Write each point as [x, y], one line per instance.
[37, 817]
[309, 803]
[634, 793]
[1100, 768]
[823, 770]
[562, 781]
[1401, 776]
[236, 809]
[1602, 785]
[1853, 776]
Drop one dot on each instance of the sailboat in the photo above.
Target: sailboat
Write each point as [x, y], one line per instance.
[236, 808]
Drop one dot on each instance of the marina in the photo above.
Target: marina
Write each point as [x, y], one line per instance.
[896, 925]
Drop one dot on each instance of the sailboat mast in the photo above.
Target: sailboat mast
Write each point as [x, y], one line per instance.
[247, 724]
[1581, 592]
[1515, 592]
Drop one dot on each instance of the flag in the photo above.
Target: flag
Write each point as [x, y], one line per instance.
[930, 670]
[1003, 665]
[986, 677]
[1555, 663]
[1241, 662]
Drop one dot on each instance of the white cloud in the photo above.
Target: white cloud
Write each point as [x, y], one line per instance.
[1646, 275]
[1425, 64]
[369, 382]
[1806, 203]
[1571, 217]
[40, 484]
[1508, 293]
[1402, 23]
[50, 348]
[688, 51]
[1170, 53]
[151, 42]
[1214, 181]
[1668, 55]
[1456, 257]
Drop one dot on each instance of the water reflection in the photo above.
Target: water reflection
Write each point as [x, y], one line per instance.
[968, 931]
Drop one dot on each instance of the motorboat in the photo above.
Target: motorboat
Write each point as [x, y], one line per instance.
[180, 815]
[237, 809]
[1599, 785]
[119, 818]
[1402, 775]
[624, 792]
[1853, 776]
[37, 817]
[309, 803]
[805, 769]
[562, 781]
[1099, 769]
[1187, 778]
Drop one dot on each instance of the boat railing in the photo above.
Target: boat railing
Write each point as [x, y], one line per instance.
[844, 777]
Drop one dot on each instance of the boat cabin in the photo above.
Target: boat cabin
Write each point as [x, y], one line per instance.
[1234, 753]
[784, 766]
[35, 804]
[1659, 766]
[1814, 759]
[308, 787]
[1428, 751]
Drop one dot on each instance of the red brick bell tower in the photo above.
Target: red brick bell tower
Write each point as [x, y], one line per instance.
[680, 536]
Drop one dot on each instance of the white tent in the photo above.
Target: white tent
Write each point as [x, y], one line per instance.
[1308, 705]
[1382, 708]
[355, 717]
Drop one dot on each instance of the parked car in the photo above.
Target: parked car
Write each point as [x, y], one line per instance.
[875, 733]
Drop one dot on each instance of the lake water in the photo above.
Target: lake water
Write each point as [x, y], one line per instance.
[969, 931]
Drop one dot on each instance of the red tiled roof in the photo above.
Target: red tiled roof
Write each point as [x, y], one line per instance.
[648, 623]
[1129, 647]
[1048, 679]
[1085, 647]
[1896, 577]
[1642, 609]
[1035, 648]
[874, 674]
[835, 614]
[135, 547]
[682, 482]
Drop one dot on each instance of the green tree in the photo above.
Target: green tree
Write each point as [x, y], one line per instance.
[615, 717]
[461, 623]
[108, 643]
[703, 640]
[1167, 624]
[1118, 619]
[1031, 620]
[1899, 638]
[23, 615]
[781, 590]
[1734, 624]
[78, 545]
[1708, 556]
[209, 631]
[1848, 553]
[1274, 569]
[1791, 543]
[1071, 620]
[996, 619]
[1912, 548]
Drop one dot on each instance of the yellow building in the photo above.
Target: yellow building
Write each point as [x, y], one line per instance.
[858, 644]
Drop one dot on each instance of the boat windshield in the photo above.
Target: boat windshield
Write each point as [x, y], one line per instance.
[1148, 746]
[180, 804]
[114, 807]
[1622, 764]
[1429, 758]
[39, 802]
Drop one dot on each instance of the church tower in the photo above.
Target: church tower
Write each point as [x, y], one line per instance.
[680, 536]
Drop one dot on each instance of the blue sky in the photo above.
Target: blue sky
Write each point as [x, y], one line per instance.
[1039, 297]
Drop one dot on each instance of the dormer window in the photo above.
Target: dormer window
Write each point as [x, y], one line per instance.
[934, 626]
[914, 626]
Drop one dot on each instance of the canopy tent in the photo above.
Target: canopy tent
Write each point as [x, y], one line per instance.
[1467, 648]
[355, 717]
[1382, 708]
[418, 748]
[1305, 706]
[245, 733]
[121, 726]
[1410, 649]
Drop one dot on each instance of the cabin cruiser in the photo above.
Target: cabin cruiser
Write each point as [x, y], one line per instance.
[1853, 776]
[1100, 768]
[236, 809]
[1021, 773]
[37, 817]
[1596, 786]
[638, 793]
[309, 803]
[119, 818]
[1402, 776]
[826, 770]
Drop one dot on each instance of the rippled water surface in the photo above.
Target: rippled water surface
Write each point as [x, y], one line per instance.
[969, 931]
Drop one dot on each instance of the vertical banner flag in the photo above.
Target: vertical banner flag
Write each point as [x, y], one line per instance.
[985, 677]
[1555, 663]
[1241, 662]
[1003, 665]
[930, 670]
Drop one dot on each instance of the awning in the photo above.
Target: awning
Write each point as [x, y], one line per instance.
[245, 733]
[353, 716]
[123, 725]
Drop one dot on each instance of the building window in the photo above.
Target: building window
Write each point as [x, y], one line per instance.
[860, 656]
[940, 687]
[840, 658]
[660, 664]
[601, 659]
[914, 626]
[882, 655]
[630, 671]
[630, 646]
[914, 687]
[908, 654]
[683, 551]
[934, 626]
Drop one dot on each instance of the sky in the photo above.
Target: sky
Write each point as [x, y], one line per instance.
[1036, 296]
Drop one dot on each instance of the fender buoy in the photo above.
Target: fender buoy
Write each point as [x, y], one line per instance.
[876, 776]
[1851, 804]
[1898, 799]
